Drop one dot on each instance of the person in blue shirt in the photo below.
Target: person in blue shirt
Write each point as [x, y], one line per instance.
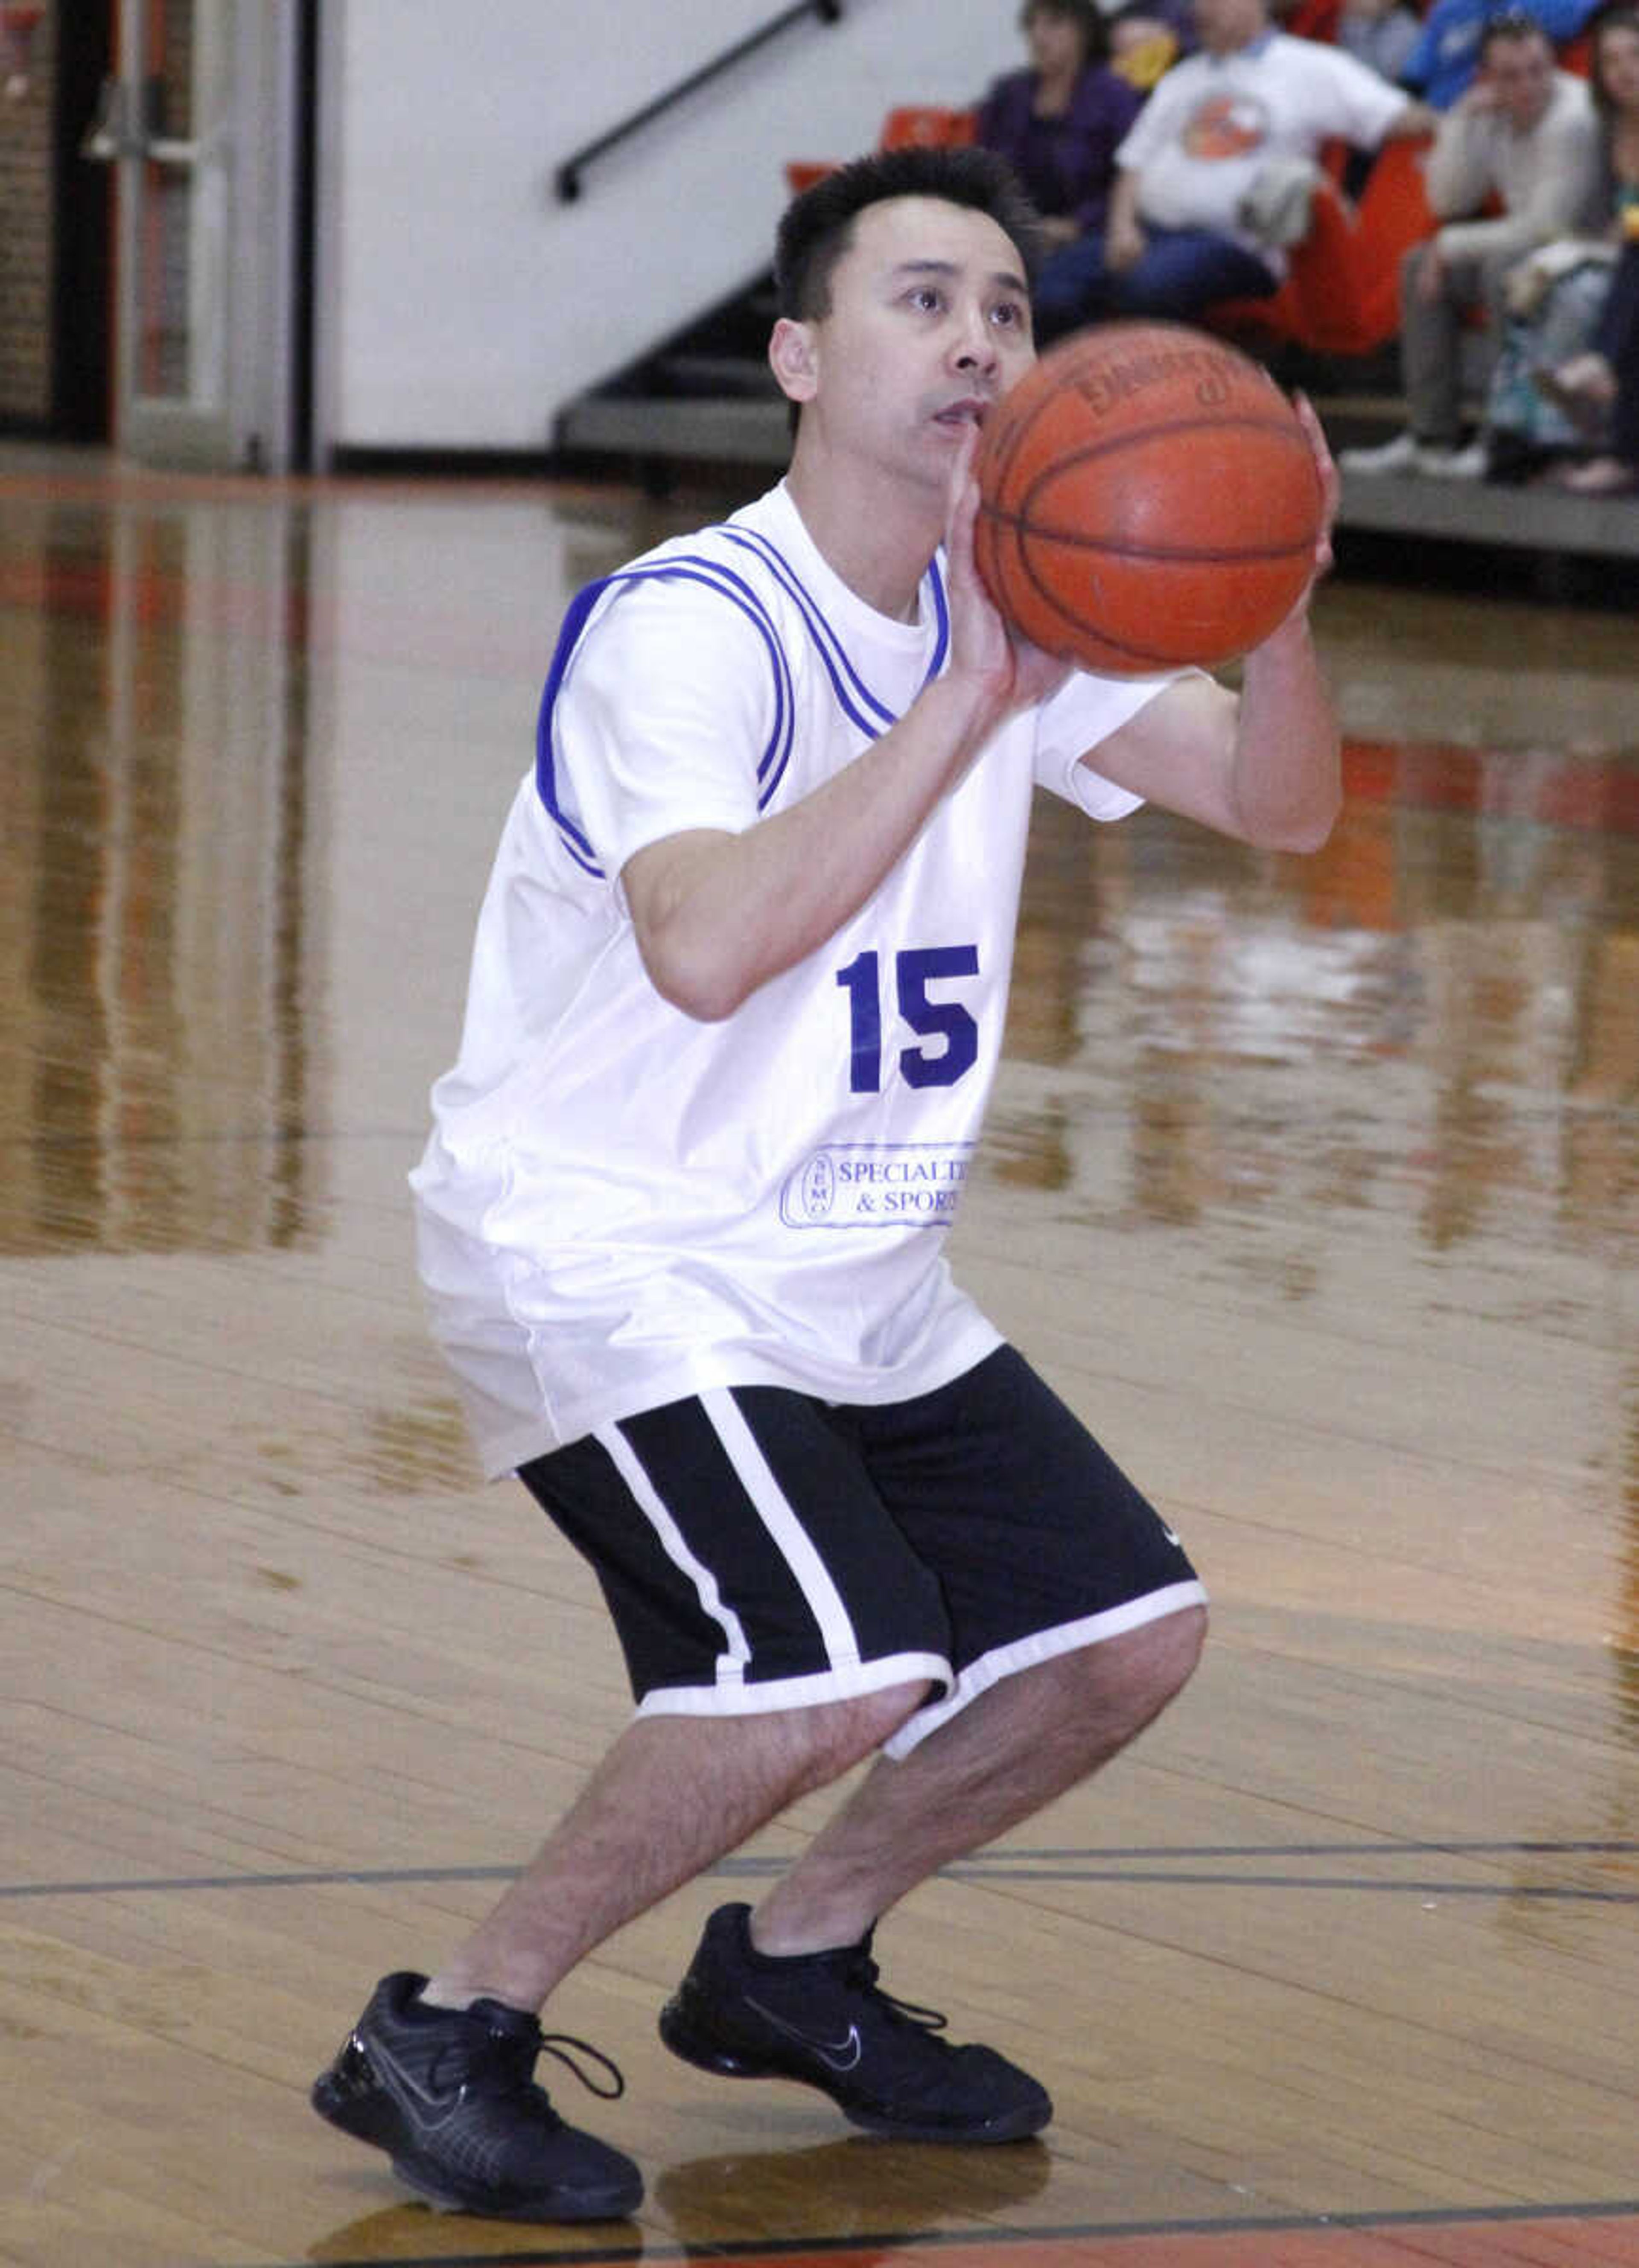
[1441, 65]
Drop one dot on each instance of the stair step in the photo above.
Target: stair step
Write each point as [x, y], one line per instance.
[718, 431]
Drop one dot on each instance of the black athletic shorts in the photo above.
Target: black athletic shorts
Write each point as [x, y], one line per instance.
[761, 1550]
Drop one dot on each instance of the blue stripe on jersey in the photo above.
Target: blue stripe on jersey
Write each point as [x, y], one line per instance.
[692, 567]
[687, 568]
[826, 641]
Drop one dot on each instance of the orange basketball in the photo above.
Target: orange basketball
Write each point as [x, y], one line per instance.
[1147, 498]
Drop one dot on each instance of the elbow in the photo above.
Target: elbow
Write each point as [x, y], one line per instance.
[1304, 841]
[700, 986]
[1299, 829]
[1304, 832]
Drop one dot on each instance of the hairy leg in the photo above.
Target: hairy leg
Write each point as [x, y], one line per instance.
[672, 1795]
[1000, 1760]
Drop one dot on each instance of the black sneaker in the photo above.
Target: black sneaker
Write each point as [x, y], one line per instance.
[820, 2017]
[448, 2094]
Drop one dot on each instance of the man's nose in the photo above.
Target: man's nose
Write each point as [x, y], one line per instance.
[976, 342]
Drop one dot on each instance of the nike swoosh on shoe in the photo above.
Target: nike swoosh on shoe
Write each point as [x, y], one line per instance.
[432, 2110]
[838, 2055]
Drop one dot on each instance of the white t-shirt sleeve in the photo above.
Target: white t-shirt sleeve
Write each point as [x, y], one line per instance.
[1361, 103]
[1157, 120]
[1085, 710]
[667, 711]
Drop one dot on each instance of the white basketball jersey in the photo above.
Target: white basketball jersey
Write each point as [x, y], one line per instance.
[620, 1205]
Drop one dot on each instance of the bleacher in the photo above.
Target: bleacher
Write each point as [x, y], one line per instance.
[706, 398]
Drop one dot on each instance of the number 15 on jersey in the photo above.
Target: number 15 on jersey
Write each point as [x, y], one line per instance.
[939, 1019]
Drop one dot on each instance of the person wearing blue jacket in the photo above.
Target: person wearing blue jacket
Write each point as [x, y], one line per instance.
[1441, 65]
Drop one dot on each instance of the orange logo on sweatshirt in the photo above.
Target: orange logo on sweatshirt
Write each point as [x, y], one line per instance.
[1226, 126]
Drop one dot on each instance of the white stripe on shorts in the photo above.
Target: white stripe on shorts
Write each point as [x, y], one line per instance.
[772, 1693]
[736, 1650]
[807, 1569]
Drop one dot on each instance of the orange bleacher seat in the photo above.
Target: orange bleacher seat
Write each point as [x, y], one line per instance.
[911, 125]
[926, 126]
[1341, 292]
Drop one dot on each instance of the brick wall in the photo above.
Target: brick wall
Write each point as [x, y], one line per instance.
[26, 239]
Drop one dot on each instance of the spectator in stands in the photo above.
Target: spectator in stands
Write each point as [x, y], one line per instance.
[1600, 387]
[1059, 123]
[1554, 384]
[1215, 174]
[1603, 386]
[1380, 33]
[1443, 65]
[1524, 135]
[1147, 37]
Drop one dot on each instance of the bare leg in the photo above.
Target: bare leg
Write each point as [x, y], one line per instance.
[673, 1794]
[999, 1761]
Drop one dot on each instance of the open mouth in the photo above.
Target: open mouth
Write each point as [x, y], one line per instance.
[958, 414]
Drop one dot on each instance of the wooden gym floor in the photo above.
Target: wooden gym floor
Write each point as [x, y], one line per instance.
[1314, 1184]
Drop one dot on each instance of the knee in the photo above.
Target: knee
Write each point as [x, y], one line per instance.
[1180, 1641]
[838, 1735]
[1410, 271]
[1131, 1679]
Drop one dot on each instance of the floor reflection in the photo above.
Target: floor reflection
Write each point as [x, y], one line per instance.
[258, 741]
[158, 970]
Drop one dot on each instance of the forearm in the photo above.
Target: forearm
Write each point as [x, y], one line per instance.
[718, 916]
[1285, 775]
[1456, 177]
[1123, 208]
[1508, 237]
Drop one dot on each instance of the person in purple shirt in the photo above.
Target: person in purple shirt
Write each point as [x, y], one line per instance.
[1059, 123]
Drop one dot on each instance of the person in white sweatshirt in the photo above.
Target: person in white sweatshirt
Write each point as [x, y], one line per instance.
[1523, 140]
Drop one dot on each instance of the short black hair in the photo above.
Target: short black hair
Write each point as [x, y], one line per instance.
[816, 228]
[1513, 23]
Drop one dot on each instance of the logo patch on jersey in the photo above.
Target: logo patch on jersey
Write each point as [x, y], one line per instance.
[876, 1185]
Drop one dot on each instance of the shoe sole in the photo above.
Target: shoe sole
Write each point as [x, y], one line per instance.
[706, 2055]
[435, 2189]
[378, 2124]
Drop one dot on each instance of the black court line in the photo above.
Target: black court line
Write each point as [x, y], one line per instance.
[794, 2248]
[1114, 1865]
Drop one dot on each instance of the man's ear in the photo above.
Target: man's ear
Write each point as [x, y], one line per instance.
[792, 359]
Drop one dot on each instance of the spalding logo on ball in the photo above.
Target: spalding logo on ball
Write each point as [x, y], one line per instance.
[1147, 498]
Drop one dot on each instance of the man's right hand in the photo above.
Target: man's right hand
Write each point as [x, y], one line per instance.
[984, 646]
[1124, 245]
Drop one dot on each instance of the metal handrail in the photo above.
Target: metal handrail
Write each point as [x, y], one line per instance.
[566, 180]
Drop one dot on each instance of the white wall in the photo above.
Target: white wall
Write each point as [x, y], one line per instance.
[459, 305]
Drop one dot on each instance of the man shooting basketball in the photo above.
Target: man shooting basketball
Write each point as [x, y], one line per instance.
[736, 1001]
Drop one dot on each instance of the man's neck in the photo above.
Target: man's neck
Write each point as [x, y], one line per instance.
[874, 536]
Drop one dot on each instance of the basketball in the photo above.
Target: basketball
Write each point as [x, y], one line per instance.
[1147, 498]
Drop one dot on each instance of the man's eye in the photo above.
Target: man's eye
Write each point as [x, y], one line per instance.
[926, 295]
